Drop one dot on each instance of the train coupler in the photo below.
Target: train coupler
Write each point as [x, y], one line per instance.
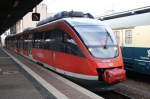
[115, 75]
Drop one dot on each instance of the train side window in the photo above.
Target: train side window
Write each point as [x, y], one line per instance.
[128, 37]
[60, 41]
[71, 45]
[38, 40]
[47, 37]
[21, 42]
[25, 42]
[46, 41]
[56, 40]
[30, 41]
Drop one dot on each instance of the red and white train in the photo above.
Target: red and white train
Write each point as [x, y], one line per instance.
[73, 45]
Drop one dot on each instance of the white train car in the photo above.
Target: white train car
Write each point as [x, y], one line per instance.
[132, 30]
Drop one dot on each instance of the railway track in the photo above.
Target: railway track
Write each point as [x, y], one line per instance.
[113, 95]
[136, 85]
[138, 77]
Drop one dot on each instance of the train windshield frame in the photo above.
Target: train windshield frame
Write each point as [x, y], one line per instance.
[99, 40]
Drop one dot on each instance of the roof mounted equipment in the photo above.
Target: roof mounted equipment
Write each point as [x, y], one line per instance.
[64, 14]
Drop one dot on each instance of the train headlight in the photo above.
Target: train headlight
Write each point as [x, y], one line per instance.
[115, 48]
[90, 49]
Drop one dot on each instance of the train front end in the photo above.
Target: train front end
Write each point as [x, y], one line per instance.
[103, 53]
[111, 70]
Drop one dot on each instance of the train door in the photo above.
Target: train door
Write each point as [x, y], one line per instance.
[47, 49]
[40, 50]
[68, 57]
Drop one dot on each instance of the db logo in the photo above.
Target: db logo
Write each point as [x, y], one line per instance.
[148, 52]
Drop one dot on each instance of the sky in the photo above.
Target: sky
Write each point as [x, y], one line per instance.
[95, 7]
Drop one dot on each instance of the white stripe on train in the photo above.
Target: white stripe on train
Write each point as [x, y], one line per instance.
[76, 75]
[141, 60]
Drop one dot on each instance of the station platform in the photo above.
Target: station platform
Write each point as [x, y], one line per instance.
[21, 78]
[13, 84]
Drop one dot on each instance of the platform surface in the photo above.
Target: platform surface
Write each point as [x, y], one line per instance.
[13, 84]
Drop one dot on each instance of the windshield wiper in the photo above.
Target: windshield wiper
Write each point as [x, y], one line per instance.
[106, 40]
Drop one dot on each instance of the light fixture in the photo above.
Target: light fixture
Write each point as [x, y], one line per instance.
[16, 3]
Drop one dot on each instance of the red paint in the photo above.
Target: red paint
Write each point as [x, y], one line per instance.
[44, 56]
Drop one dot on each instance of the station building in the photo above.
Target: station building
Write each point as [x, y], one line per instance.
[26, 21]
[129, 26]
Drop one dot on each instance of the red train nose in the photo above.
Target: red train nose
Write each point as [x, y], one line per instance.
[115, 75]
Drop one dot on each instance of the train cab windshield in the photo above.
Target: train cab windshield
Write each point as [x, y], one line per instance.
[99, 39]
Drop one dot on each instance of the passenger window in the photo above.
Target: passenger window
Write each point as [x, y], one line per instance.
[38, 40]
[71, 46]
[56, 41]
[46, 40]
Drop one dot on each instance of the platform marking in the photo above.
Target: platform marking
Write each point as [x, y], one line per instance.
[77, 87]
[10, 72]
[44, 83]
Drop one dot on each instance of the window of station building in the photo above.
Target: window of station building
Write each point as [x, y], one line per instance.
[128, 37]
[117, 34]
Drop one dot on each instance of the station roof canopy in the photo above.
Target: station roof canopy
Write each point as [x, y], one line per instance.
[128, 19]
[126, 13]
[13, 10]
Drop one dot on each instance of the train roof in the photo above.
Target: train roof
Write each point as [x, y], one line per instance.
[83, 21]
[129, 21]
[65, 14]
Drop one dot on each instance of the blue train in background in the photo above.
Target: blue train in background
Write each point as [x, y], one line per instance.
[132, 30]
